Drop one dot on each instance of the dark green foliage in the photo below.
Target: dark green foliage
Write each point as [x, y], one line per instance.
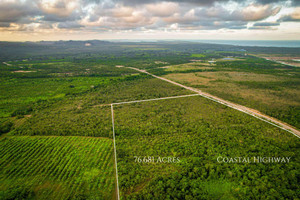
[290, 114]
[25, 110]
[82, 114]
[198, 131]
[161, 71]
[280, 85]
[62, 121]
[5, 126]
[17, 193]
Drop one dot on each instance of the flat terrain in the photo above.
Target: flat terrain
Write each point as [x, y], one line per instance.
[56, 168]
[274, 91]
[198, 131]
[250, 111]
[56, 138]
[283, 59]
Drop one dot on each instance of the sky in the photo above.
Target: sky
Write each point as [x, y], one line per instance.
[35, 20]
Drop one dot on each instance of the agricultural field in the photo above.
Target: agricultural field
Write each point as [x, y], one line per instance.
[197, 131]
[56, 168]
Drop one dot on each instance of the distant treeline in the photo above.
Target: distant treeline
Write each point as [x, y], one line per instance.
[61, 49]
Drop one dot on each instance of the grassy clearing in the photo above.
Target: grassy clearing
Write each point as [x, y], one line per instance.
[56, 168]
[188, 66]
[212, 78]
[198, 55]
[198, 131]
[276, 94]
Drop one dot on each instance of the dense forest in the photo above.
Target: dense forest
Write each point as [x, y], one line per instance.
[198, 131]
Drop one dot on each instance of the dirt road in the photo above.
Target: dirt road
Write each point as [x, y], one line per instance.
[249, 111]
[5, 63]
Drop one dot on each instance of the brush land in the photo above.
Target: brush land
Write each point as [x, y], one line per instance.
[56, 138]
[197, 132]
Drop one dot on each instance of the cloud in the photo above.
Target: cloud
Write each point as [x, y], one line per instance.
[292, 17]
[45, 25]
[4, 24]
[60, 10]
[162, 9]
[195, 2]
[218, 17]
[269, 1]
[266, 24]
[291, 2]
[69, 25]
[139, 15]
[37, 11]
[224, 25]
[255, 12]
[262, 28]
[14, 11]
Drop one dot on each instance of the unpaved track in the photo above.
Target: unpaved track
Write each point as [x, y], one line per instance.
[249, 111]
[5, 63]
[115, 153]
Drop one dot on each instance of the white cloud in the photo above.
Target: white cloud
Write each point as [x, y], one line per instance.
[144, 16]
[162, 9]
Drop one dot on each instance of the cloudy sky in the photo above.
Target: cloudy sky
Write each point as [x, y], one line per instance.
[32, 20]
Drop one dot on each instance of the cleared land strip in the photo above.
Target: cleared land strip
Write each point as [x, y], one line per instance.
[115, 152]
[249, 111]
[173, 97]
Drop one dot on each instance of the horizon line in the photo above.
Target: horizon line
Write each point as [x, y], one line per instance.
[274, 40]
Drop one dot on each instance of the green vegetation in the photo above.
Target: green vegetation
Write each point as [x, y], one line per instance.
[56, 168]
[188, 68]
[18, 96]
[82, 113]
[70, 105]
[66, 121]
[198, 55]
[198, 131]
[56, 131]
[269, 87]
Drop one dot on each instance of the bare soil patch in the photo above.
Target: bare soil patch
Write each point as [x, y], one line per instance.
[22, 71]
